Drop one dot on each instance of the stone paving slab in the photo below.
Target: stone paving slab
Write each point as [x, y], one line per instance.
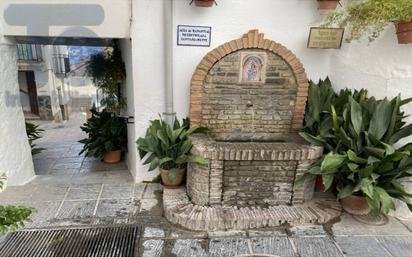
[84, 192]
[49, 192]
[186, 248]
[350, 226]
[361, 246]
[316, 247]
[398, 246]
[280, 246]
[119, 208]
[228, 247]
[117, 191]
[76, 209]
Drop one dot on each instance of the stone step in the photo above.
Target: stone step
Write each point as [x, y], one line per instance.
[179, 210]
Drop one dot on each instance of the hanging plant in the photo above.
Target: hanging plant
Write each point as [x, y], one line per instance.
[204, 3]
[369, 18]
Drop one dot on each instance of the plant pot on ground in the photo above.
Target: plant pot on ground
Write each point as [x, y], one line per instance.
[404, 32]
[174, 183]
[168, 148]
[204, 3]
[358, 134]
[328, 4]
[107, 136]
[356, 205]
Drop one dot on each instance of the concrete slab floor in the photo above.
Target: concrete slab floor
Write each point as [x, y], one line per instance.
[93, 194]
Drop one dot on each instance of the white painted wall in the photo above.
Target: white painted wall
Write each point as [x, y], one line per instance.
[78, 18]
[128, 93]
[15, 153]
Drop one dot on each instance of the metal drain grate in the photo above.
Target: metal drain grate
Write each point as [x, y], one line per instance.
[117, 241]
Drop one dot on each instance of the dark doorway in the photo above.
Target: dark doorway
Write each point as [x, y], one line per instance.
[28, 92]
[31, 86]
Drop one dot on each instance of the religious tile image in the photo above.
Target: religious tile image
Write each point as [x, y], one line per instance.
[253, 67]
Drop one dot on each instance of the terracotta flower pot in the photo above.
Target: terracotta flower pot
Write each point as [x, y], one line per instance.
[319, 187]
[328, 4]
[404, 32]
[204, 3]
[356, 205]
[176, 182]
[113, 156]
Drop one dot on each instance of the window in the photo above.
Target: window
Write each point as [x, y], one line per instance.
[29, 52]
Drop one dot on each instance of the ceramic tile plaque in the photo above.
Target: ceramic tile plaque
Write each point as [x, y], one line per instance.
[253, 67]
[325, 38]
[193, 35]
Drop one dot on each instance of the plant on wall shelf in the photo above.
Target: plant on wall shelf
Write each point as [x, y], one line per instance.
[108, 71]
[168, 148]
[328, 4]
[12, 217]
[204, 3]
[33, 133]
[107, 136]
[358, 133]
[369, 18]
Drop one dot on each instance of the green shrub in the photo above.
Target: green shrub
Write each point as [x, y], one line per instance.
[168, 147]
[358, 133]
[369, 17]
[12, 217]
[106, 132]
[108, 70]
[33, 133]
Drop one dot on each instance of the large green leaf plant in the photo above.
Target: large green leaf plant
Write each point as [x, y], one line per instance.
[168, 147]
[358, 134]
[106, 132]
[34, 132]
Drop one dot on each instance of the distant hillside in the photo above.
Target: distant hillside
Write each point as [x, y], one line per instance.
[78, 53]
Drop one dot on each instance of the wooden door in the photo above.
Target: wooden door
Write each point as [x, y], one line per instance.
[31, 85]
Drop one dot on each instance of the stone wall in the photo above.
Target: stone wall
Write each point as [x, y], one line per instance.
[260, 183]
[238, 110]
[250, 173]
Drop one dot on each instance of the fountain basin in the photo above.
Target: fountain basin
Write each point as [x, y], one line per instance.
[250, 173]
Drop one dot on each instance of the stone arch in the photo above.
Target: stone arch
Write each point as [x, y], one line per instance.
[252, 40]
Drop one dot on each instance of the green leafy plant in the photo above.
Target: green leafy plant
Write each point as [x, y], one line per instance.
[12, 217]
[358, 133]
[106, 132]
[168, 147]
[33, 133]
[108, 70]
[369, 17]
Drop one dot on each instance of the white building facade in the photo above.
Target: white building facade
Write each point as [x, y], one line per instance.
[147, 30]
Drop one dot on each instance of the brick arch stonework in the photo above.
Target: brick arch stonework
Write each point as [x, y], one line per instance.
[252, 40]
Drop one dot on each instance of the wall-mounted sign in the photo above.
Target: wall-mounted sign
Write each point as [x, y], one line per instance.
[325, 38]
[193, 35]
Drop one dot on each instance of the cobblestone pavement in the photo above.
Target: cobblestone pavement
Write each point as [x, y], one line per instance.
[85, 194]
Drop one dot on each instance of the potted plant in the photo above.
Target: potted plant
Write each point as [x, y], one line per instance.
[12, 217]
[358, 133]
[204, 3]
[328, 4]
[108, 72]
[168, 148]
[107, 136]
[369, 18]
[34, 132]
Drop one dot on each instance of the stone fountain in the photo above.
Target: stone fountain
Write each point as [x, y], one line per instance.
[251, 93]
